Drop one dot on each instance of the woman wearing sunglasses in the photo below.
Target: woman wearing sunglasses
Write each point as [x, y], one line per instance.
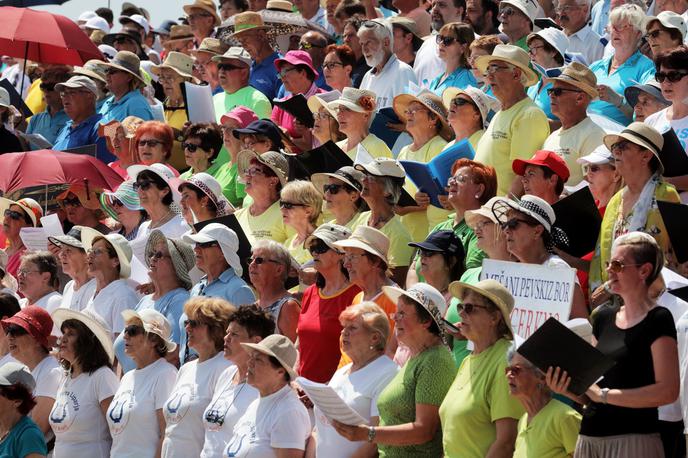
[81, 206]
[665, 32]
[319, 326]
[202, 144]
[153, 142]
[135, 418]
[22, 213]
[453, 47]
[301, 207]
[621, 418]
[467, 113]
[124, 206]
[208, 318]
[342, 195]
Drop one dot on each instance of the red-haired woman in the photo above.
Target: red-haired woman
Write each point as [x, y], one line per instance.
[153, 142]
[338, 65]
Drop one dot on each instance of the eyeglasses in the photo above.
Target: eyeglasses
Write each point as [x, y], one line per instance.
[481, 225]
[427, 253]
[506, 12]
[260, 260]
[673, 76]
[253, 171]
[322, 115]
[459, 102]
[557, 91]
[591, 168]
[457, 179]
[134, 330]
[444, 40]
[142, 185]
[305, 46]
[96, 251]
[533, 49]
[73, 202]
[15, 330]
[617, 266]
[198, 15]
[47, 87]
[158, 255]
[228, 67]
[192, 323]
[26, 272]
[11, 214]
[494, 68]
[204, 245]
[117, 203]
[565, 9]
[469, 308]
[73, 93]
[513, 223]
[318, 247]
[284, 72]
[152, 143]
[289, 205]
[414, 110]
[192, 147]
[653, 33]
[620, 147]
[333, 188]
[351, 256]
[332, 65]
[513, 370]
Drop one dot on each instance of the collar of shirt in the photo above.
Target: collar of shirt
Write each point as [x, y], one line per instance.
[224, 277]
[391, 61]
[582, 33]
[124, 99]
[86, 122]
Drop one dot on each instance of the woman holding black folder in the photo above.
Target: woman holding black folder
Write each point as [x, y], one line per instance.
[620, 417]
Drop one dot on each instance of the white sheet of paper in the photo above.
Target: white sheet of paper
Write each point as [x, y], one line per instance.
[199, 103]
[36, 139]
[329, 402]
[51, 224]
[138, 248]
[363, 156]
[34, 238]
[139, 272]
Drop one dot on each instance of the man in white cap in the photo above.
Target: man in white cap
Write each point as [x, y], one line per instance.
[573, 17]
[517, 18]
[50, 122]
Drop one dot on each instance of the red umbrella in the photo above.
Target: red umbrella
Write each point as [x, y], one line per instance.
[36, 168]
[44, 37]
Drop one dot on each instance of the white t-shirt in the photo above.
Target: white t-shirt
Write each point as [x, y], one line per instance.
[173, 229]
[184, 408]
[132, 416]
[111, 301]
[77, 421]
[8, 358]
[682, 336]
[678, 309]
[78, 299]
[229, 403]
[660, 122]
[48, 375]
[360, 391]
[392, 80]
[279, 420]
[428, 64]
[49, 302]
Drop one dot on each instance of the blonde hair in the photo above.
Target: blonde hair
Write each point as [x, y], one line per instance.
[630, 13]
[304, 192]
[644, 249]
[213, 312]
[373, 317]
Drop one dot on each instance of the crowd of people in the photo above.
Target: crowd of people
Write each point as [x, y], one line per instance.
[187, 310]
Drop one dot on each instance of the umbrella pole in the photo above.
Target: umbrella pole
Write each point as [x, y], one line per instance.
[26, 55]
[45, 201]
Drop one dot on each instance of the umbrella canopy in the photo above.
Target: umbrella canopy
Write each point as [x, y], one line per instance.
[45, 167]
[25, 3]
[44, 37]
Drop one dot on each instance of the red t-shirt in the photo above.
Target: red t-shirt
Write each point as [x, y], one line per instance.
[319, 329]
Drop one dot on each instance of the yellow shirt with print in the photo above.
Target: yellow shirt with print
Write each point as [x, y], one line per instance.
[268, 225]
[399, 253]
[573, 143]
[372, 143]
[176, 119]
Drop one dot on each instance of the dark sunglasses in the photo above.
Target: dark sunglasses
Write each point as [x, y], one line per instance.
[618, 266]
[192, 323]
[557, 91]
[318, 247]
[469, 308]
[260, 260]
[443, 40]
[117, 203]
[459, 102]
[673, 76]
[15, 331]
[150, 143]
[192, 147]
[157, 255]
[122, 40]
[134, 330]
[142, 185]
[227, 67]
[513, 223]
[113, 71]
[47, 87]
[289, 205]
[11, 214]
[73, 202]
[206, 244]
[333, 188]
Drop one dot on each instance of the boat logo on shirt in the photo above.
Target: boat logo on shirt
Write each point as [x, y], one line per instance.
[64, 411]
[178, 404]
[118, 413]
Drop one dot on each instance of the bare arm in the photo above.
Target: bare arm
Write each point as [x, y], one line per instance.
[503, 446]
[289, 318]
[104, 406]
[162, 425]
[40, 413]
[578, 308]
[289, 453]
[368, 450]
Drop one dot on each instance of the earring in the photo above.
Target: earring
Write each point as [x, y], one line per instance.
[371, 348]
[477, 196]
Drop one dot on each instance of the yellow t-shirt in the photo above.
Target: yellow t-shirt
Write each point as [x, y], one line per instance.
[352, 224]
[268, 225]
[399, 254]
[419, 223]
[34, 98]
[473, 139]
[515, 133]
[478, 397]
[552, 433]
[375, 146]
[297, 250]
[176, 120]
[574, 143]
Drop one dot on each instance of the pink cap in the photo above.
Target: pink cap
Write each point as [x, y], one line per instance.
[297, 58]
[244, 116]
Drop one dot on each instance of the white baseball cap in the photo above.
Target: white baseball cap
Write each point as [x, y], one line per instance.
[136, 19]
[98, 23]
[600, 155]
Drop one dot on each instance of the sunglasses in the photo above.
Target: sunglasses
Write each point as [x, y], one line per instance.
[333, 188]
[618, 266]
[192, 147]
[673, 76]
[459, 102]
[47, 87]
[444, 41]
[142, 185]
[15, 215]
[152, 143]
[557, 91]
[508, 11]
[15, 331]
[73, 202]
[513, 223]
[204, 245]
[653, 34]
[117, 203]
[318, 247]
[469, 308]
[284, 72]
[260, 260]
[228, 67]
[289, 205]
[158, 255]
[192, 323]
[134, 330]
[305, 46]
[494, 68]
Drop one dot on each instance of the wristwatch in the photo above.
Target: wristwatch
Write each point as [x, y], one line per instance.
[371, 433]
[603, 395]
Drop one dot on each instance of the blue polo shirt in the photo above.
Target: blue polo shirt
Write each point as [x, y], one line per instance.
[264, 76]
[541, 98]
[46, 125]
[461, 78]
[132, 104]
[636, 68]
[600, 16]
[85, 133]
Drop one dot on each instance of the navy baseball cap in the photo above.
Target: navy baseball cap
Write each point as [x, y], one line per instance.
[441, 242]
[263, 127]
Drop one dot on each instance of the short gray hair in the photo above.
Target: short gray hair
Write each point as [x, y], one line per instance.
[381, 30]
[277, 252]
[528, 365]
[631, 13]
[392, 188]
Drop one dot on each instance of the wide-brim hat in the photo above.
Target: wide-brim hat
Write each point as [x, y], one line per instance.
[127, 62]
[180, 63]
[93, 322]
[383, 167]
[153, 322]
[30, 207]
[485, 211]
[110, 38]
[427, 296]
[642, 135]
[211, 188]
[280, 348]
[329, 233]
[580, 76]
[206, 5]
[118, 243]
[181, 253]
[492, 290]
[225, 237]
[367, 239]
[346, 174]
[410, 26]
[36, 321]
[280, 5]
[87, 197]
[71, 238]
[126, 194]
[358, 100]
[317, 101]
[212, 46]
[511, 55]
[93, 69]
[296, 58]
[429, 100]
[271, 159]
[651, 88]
[536, 208]
[180, 32]
[483, 101]
[248, 20]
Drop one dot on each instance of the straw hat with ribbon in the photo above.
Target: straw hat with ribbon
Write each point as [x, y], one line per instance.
[494, 291]
[642, 135]
[580, 76]
[127, 62]
[180, 63]
[536, 208]
[93, 322]
[512, 55]
[180, 32]
[429, 100]
[248, 20]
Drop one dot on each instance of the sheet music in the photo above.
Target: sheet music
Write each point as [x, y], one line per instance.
[52, 225]
[329, 402]
[363, 156]
[34, 238]
[35, 139]
[199, 103]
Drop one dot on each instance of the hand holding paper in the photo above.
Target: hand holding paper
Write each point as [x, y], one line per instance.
[329, 402]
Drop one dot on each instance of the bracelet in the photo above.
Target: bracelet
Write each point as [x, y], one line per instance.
[371, 434]
[603, 395]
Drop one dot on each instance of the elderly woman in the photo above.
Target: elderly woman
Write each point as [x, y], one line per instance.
[620, 418]
[284, 427]
[74, 262]
[109, 262]
[382, 187]
[228, 174]
[78, 418]
[30, 341]
[531, 238]
[82, 207]
[264, 175]
[645, 99]
[208, 318]
[202, 199]
[119, 141]
[39, 281]
[634, 208]
[169, 263]
[467, 113]
[301, 207]
[441, 260]
[124, 206]
[478, 416]
[355, 110]
[232, 395]
[549, 427]
[135, 415]
[409, 405]
[23, 438]
[600, 172]
[123, 76]
[268, 269]
[342, 194]
[260, 136]
[482, 46]
[547, 49]
[624, 67]
[453, 47]
[318, 331]
[325, 125]
[153, 141]
[202, 144]
[157, 196]
[365, 331]
[22, 213]
[337, 66]
[665, 32]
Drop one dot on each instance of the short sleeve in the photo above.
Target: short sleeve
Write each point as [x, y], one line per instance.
[30, 440]
[262, 106]
[290, 429]
[528, 133]
[434, 375]
[502, 404]
[163, 387]
[105, 383]
[662, 324]
[569, 427]
[49, 383]
[243, 296]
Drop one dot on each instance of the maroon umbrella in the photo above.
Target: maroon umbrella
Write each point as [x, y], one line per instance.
[44, 167]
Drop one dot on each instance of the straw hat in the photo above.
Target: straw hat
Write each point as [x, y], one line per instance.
[429, 100]
[205, 5]
[87, 196]
[127, 62]
[126, 194]
[492, 290]
[367, 239]
[485, 211]
[317, 101]
[16, 374]
[92, 321]
[358, 100]
[580, 76]
[179, 62]
[211, 188]
[280, 348]
[410, 26]
[642, 135]
[30, 207]
[280, 5]
[225, 237]
[511, 55]
[211, 46]
[153, 322]
[330, 234]
[346, 174]
[181, 32]
[93, 69]
[271, 159]
[425, 295]
[36, 321]
[484, 102]
[181, 253]
[118, 243]
[248, 20]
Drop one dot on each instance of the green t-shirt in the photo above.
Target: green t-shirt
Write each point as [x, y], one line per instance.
[232, 188]
[459, 350]
[245, 97]
[478, 397]
[424, 379]
[552, 433]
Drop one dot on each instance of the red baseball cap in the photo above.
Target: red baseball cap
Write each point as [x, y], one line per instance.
[297, 58]
[543, 158]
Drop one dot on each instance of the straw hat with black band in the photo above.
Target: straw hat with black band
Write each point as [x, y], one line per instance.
[642, 135]
[429, 100]
[580, 76]
[347, 174]
[512, 55]
[127, 62]
[492, 290]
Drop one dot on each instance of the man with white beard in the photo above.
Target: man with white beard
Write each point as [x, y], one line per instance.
[388, 76]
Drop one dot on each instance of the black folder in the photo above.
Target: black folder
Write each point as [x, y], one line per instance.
[675, 217]
[297, 106]
[578, 216]
[673, 156]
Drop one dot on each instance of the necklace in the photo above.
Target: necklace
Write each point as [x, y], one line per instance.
[380, 221]
[168, 216]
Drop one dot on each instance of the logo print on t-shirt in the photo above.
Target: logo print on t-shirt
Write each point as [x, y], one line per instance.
[64, 411]
[178, 404]
[119, 411]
